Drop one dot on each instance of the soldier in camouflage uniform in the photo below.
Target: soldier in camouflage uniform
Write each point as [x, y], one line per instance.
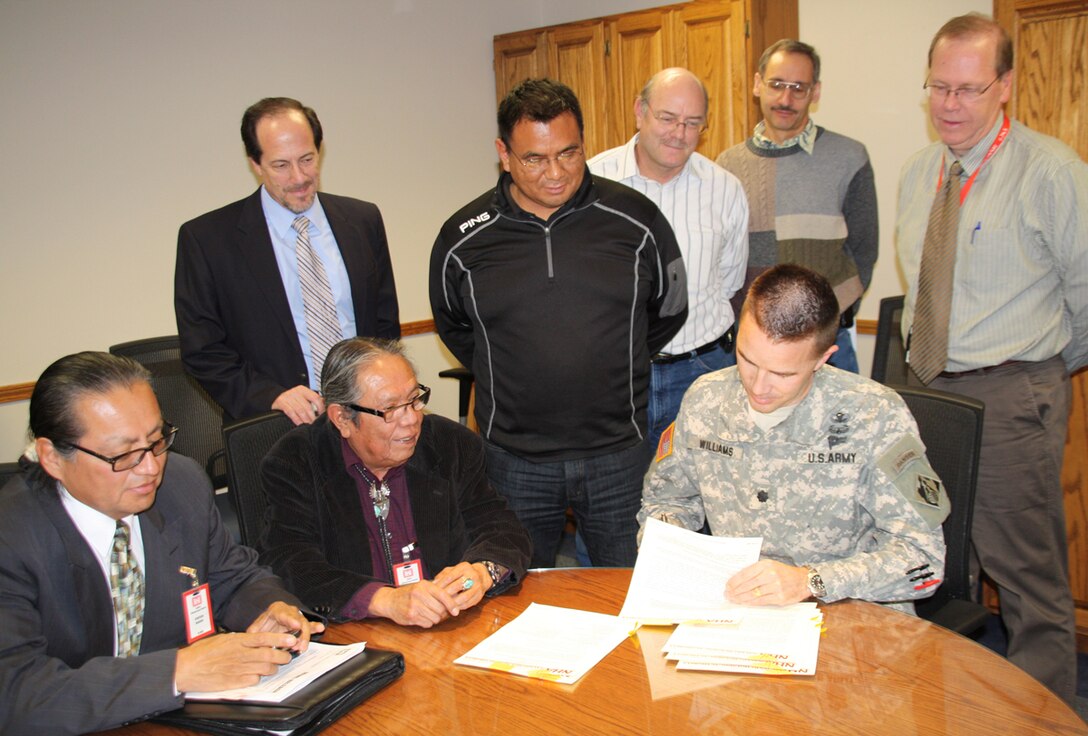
[825, 465]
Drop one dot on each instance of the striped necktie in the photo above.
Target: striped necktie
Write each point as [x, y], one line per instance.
[127, 588]
[933, 310]
[322, 324]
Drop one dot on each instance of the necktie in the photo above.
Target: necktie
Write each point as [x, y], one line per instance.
[929, 335]
[127, 587]
[322, 324]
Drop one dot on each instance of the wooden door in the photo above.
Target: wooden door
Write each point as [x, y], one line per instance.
[640, 45]
[1051, 40]
[574, 58]
[709, 41]
[519, 56]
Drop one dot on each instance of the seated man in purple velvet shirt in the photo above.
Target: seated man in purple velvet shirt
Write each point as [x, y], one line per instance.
[379, 510]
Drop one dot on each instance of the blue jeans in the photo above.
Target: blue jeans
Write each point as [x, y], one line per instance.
[669, 382]
[605, 493]
[844, 358]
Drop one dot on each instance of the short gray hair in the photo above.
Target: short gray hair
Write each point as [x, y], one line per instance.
[339, 375]
[791, 46]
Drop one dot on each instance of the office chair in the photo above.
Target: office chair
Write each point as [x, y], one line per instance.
[889, 358]
[464, 378]
[247, 442]
[951, 429]
[183, 402]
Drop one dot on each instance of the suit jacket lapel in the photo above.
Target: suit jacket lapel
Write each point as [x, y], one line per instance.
[90, 588]
[256, 246]
[163, 581]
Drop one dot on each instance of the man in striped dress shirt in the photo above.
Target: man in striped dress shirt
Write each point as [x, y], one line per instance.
[708, 212]
[1018, 323]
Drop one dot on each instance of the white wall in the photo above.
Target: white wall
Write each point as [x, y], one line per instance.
[120, 121]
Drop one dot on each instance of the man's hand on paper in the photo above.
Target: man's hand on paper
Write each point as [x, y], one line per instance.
[768, 583]
[281, 617]
[226, 661]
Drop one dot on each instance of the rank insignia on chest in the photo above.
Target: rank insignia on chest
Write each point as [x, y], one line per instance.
[839, 429]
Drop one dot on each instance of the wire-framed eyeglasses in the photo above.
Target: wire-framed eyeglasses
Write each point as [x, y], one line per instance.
[132, 458]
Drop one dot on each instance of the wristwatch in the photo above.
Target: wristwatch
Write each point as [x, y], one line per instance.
[497, 572]
[816, 584]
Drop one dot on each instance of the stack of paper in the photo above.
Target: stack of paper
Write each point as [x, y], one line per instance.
[766, 641]
[549, 643]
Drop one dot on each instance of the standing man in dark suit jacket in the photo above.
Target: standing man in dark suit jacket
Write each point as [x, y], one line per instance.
[244, 314]
[100, 537]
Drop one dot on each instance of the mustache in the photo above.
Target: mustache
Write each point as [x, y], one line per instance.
[783, 108]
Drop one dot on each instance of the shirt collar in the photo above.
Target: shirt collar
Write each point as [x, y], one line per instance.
[973, 158]
[96, 527]
[279, 218]
[806, 139]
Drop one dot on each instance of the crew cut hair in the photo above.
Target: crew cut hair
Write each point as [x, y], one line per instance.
[791, 303]
[538, 100]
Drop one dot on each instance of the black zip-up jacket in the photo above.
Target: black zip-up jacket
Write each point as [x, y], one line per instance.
[558, 319]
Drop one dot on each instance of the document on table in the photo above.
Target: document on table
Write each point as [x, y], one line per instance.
[680, 575]
[549, 643]
[766, 641]
[291, 677]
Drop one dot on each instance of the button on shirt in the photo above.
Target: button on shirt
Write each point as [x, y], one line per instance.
[284, 237]
[708, 212]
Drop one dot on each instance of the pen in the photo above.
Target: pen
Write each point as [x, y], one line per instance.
[978, 228]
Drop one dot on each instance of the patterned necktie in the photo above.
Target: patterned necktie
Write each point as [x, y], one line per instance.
[322, 324]
[127, 587]
[933, 310]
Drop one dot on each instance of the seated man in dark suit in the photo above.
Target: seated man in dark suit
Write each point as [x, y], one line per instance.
[102, 537]
[265, 286]
[378, 510]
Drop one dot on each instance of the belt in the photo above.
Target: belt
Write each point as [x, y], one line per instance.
[666, 359]
[981, 371]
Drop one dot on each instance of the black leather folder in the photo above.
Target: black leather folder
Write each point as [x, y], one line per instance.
[308, 711]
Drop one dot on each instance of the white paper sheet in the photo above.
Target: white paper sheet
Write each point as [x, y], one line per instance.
[549, 643]
[290, 678]
[771, 641]
[680, 575]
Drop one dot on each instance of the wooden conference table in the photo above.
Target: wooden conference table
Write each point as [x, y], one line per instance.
[879, 672]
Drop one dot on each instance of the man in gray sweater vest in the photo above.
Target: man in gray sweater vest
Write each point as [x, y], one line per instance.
[811, 195]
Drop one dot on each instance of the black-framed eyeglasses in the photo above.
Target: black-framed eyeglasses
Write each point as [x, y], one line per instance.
[668, 120]
[963, 94]
[390, 413]
[132, 458]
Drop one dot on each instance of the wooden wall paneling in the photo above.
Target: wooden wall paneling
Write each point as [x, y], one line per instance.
[1051, 42]
[640, 45]
[519, 56]
[709, 41]
[767, 22]
[575, 58]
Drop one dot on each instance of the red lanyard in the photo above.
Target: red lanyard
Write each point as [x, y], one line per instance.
[1001, 135]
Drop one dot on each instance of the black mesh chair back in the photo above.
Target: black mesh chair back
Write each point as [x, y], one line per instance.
[247, 442]
[889, 358]
[183, 401]
[951, 429]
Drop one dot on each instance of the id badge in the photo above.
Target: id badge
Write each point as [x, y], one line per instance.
[196, 605]
[406, 573]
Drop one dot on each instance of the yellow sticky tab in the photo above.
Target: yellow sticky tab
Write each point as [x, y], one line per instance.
[664, 445]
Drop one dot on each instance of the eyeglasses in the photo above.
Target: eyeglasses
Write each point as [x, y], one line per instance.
[390, 413]
[667, 119]
[566, 158]
[796, 89]
[132, 458]
[963, 94]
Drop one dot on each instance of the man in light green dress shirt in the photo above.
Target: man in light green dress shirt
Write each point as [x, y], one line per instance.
[1018, 325]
